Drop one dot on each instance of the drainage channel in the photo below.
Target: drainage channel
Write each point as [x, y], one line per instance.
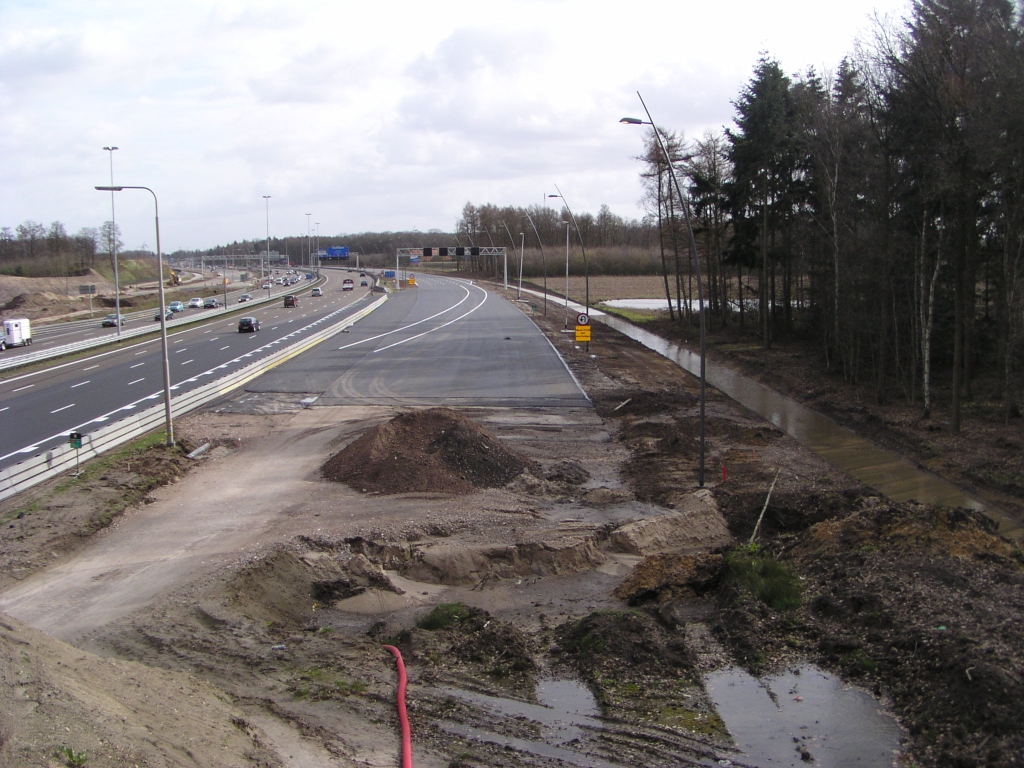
[886, 472]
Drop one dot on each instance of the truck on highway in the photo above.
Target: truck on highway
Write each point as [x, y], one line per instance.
[17, 333]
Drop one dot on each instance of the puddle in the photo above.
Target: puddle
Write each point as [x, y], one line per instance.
[803, 717]
[567, 714]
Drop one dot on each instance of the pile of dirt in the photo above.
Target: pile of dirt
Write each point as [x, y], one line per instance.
[670, 576]
[431, 451]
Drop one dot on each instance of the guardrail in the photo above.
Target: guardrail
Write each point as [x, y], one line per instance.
[28, 358]
[43, 466]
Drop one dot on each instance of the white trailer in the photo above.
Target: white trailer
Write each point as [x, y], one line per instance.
[17, 333]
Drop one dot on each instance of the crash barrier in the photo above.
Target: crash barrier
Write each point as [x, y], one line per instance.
[43, 466]
[7, 363]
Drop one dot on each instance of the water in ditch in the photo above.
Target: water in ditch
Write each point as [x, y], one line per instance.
[885, 472]
[803, 717]
[800, 717]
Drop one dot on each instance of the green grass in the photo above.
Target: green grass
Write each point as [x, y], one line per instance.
[443, 615]
[72, 758]
[635, 316]
[770, 581]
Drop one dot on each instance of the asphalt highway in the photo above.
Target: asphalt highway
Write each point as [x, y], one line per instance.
[444, 342]
[38, 410]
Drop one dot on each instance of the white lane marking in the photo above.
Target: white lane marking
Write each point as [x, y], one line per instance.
[64, 408]
[179, 351]
[90, 368]
[142, 352]
[5, 408]
[413, 325]
[438, 328]
[223, 348]
[62, 435]
[27, 386]
[209, 331]
[137, 365]
[79, 384]
[188, 361]
[136, 381]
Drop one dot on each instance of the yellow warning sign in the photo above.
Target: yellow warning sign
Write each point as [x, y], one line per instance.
[583, 333]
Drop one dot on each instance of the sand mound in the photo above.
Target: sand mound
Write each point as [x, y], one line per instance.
[437, 450]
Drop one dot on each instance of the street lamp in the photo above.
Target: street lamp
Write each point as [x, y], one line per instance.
[262, 278]
[522, 245]
[586, 269]
[317, 260]
[565, 324]
[113, 244]
[543, 261]
[309, 241]
[163, 309]
[696, 261]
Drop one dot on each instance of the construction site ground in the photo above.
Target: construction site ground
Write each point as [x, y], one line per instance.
[231, 610]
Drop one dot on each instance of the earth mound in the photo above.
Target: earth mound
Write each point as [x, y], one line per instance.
[431, 451]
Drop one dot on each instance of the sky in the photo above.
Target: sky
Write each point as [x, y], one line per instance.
[370, 116]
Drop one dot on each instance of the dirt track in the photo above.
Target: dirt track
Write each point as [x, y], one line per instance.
[254, 582]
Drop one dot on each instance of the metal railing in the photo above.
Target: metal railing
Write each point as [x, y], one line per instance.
[47, 464]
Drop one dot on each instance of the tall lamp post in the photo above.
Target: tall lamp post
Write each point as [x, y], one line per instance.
[522, 246]
[696, 261]
[543, 261]
[586, 269]
[262, 278]
[316, 261]
[163, 310]
[565, 324]
[113, 243]
[309, 241]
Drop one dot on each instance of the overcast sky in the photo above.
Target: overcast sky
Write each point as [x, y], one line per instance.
[368, 115]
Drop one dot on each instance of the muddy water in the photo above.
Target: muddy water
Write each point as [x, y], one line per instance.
[803, 717]
[567, 712]
[886, 472]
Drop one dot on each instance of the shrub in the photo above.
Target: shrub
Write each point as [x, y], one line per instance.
[444, 615]
[770, 581]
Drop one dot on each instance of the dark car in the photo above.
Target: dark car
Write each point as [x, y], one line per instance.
[169, 315]
[211, 303]
[248, 324]
[291, 301]
[245, 297]
[110, 321]
[363, 282]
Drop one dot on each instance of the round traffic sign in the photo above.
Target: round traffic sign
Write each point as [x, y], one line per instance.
[582, 319]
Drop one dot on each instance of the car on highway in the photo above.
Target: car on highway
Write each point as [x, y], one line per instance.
[347, 284]
[110, 321]
[266, 286]
[248, 325]
[195, 303]
[245, 297]
[168, 315]
[291, 301]
[176, 306]
[363, 282]
[211, 303]
[316, 292]
[362, 274]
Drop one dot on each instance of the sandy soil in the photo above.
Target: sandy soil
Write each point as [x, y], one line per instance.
[249, 582]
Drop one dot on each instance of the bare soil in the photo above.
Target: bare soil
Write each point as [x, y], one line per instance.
[261, 591]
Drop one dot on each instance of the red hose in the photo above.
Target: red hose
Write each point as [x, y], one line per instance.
[403, 717]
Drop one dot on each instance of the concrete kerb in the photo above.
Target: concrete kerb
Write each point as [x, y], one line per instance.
[47, 464]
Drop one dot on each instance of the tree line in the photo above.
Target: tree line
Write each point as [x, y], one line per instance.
[879, 208]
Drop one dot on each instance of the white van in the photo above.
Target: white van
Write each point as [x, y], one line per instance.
[17, 333]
